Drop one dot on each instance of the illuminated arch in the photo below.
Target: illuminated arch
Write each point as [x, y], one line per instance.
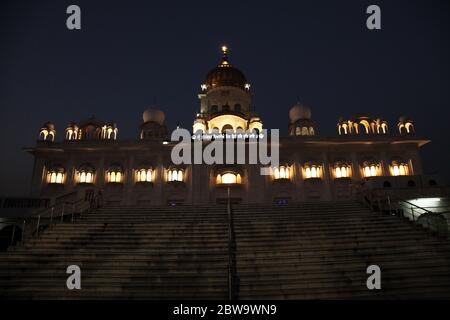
[175, 175]
[145, 174]
[229, 177]
[227, 120]
[312, 170]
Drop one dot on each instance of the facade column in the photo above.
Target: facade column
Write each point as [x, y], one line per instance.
[100, 179]
[160, 180]
[298, 179]
[38, 177]
[70, 175]
[326, 177]
[128, 187]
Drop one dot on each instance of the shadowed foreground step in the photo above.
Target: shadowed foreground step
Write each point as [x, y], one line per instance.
[297, 251]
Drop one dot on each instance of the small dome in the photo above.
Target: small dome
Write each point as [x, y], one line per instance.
[404, 119]
[298, 112]
[49, 125]
[153, 115]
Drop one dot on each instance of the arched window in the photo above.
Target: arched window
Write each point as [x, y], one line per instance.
[229, 178]
[311, 131]
[371, 170]
[145, 175]
[85, 175]
[114, 175]
[175, 175]
[366, 125]
[311, 171]
[345, 127]
[298, 131]
[226, 128]
[214, 108]
[215, 130]
[240, 130]
[399, 169]
[305, 131]
[46, 135]
[282, 172]
[69, 134]
[409, 127]
[55, 176]
[342, 171]
[43, 135]
[237, 107]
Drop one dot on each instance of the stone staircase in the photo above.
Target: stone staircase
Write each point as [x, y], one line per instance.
[127, 253]
[322, 251]
[297, 251]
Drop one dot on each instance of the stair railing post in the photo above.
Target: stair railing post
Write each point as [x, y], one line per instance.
[13, 233]
[37, 226]
[23, 230]
[389, 204]
[62, 212]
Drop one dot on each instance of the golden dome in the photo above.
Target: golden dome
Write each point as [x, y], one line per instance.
[225, 74]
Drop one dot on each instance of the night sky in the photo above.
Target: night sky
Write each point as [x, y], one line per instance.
[130, 55]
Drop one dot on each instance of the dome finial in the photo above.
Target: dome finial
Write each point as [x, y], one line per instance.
[224, 62]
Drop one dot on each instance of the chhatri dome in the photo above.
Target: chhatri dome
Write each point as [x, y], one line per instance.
[225, 74]
[153, 115]
[299, 112]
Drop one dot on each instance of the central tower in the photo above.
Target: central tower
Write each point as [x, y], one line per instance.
[225, 101]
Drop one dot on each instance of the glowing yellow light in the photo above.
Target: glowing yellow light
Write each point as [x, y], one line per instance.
[175, 175]
[276, 173]
[144, 175]
[396, 171]
[372, 170]
[224, 49]
[229, 178]
[312, 172]
[342, 172]
[308, 172]
[400, 170]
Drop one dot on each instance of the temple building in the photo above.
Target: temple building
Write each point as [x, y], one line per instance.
[366, 151]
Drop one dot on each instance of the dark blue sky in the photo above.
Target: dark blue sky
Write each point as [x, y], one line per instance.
[130, 53]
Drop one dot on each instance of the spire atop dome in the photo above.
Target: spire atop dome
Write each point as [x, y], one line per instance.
[224, 62]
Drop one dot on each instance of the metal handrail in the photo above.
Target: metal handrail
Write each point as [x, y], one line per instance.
[412, 204]
[367, 193]
[41, 214]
